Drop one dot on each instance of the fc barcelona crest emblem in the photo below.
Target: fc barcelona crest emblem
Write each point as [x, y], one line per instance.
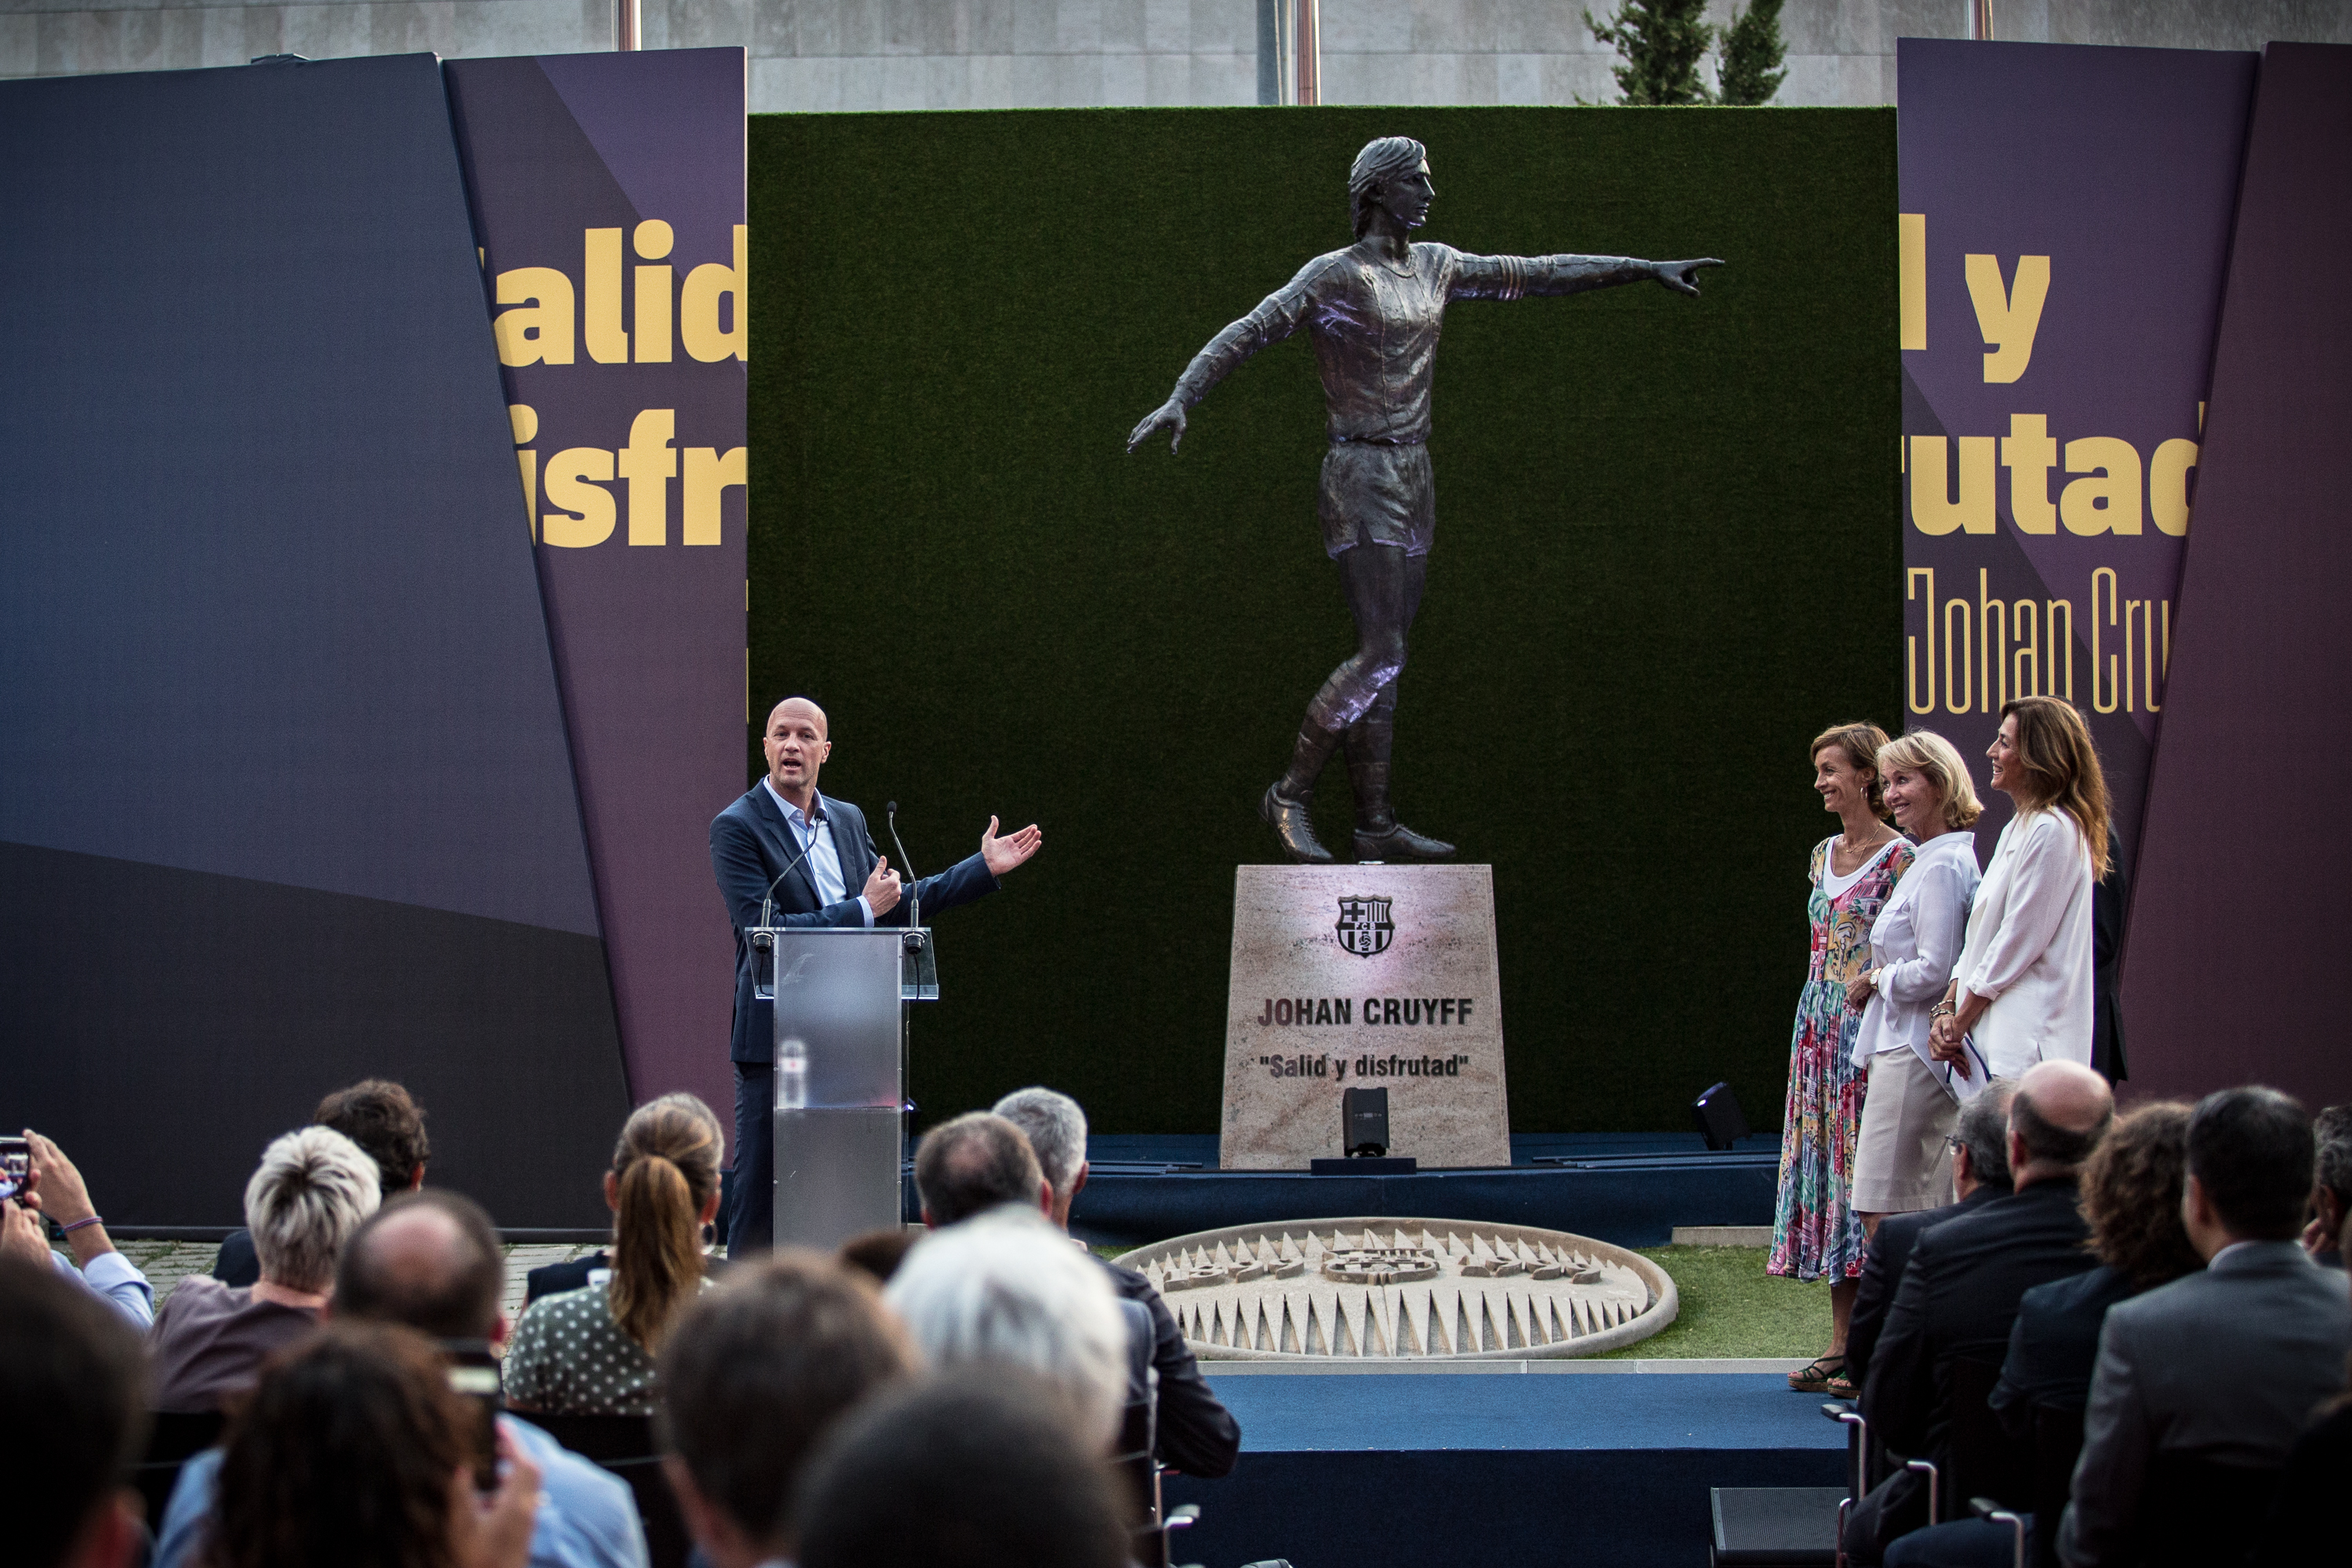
[1364, 928]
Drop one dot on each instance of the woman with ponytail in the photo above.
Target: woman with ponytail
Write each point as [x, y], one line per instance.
[591, 1351]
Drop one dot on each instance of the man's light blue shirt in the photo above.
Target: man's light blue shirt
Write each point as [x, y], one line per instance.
[587, 1517]
[823, 862]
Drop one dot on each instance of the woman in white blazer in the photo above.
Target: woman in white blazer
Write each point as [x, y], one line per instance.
[1899, 1163]
[2022, 991]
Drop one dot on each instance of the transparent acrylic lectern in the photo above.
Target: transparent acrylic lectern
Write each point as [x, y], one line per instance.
[842, 998]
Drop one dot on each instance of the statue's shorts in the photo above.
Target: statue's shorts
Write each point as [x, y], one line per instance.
[1373, 494]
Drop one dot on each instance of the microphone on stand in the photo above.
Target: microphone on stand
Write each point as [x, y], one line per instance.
[914, 895]
[768, 899]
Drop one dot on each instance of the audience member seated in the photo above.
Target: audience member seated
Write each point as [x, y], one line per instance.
[1959, 1293]
[431, 1261]
[374, 1114]
[2309, 1512]
[974, 1164]
[1979, 1143]
[2131, 1188]
[877, 1254]
[2224, 1366]
[54, 1190]
[591, 1351]
[1006, 1289]
[354, 1450]
[313, 1189]
[973, 1469]
[753, 1376]
[1196, 1434]
[73, 1397]
[2331, 1193]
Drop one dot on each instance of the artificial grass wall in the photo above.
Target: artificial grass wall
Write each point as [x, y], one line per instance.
[1667, 555]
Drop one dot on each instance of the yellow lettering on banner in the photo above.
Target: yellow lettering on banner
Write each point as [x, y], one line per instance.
[1993, 667]
[697, 307]
[538, 331]
[2057, 642]
[2108, 503]
[1933, 512]
[2167, 485]
[1912, 662]
[648, 462]
[524, 420]
[2158, 673]
[608, 342]
[2029, 453]
[2132, 650]
[2025, 631]
[1911, 248]
[589, 517]
[2113, 699]
[708, 473]
[2008, 317]
[1965, 688]
[653, 240]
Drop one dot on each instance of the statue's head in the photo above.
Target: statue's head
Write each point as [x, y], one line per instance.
[1382, 162]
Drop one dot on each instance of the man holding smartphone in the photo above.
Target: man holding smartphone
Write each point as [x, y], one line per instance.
[44, 1185]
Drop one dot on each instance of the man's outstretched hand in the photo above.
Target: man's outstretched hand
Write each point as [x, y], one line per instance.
[1679, 276]
[1003, 854]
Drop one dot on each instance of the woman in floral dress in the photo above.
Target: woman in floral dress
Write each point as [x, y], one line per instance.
[1815, 1232]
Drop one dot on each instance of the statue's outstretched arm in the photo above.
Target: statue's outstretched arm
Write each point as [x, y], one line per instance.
[1279, 315]
[1513, 277]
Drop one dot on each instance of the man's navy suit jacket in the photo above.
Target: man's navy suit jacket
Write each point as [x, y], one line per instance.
[750, 845]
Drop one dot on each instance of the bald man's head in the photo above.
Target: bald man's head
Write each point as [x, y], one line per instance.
[796, 747]
[2058, 1113]
[429, 1260]
[801, 707]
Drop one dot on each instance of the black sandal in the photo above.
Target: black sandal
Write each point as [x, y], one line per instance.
[1815, 1378]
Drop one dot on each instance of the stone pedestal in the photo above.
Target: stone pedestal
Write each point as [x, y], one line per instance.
[1364, 976]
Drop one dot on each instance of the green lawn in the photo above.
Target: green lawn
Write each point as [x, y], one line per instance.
[1730, 1307]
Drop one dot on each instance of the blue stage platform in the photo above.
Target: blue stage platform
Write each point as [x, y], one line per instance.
[1632, 1189]
[1472, 1469]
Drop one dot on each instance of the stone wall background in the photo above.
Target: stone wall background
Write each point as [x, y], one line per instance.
[1050, 54]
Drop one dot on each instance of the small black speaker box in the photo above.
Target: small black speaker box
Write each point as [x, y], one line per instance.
[1364, 1121]
[1719, 1120]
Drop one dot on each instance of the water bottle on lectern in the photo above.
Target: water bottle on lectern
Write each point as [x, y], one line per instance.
[791, 1075]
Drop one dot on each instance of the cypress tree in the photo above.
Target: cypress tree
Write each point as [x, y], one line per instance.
[1750, 70]
[1662, 42]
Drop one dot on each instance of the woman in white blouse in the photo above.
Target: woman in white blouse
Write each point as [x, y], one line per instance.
[2022, 991]
[1899, 1164]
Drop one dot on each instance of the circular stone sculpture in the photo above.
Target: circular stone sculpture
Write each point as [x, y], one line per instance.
[1404, 1288]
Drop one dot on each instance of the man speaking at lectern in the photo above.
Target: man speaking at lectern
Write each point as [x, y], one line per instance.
[783, 841]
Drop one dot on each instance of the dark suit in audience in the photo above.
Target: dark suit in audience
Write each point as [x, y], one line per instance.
[1197, 1433]
[2226, 1365]
[1957, 1299]
[1882, 1272]
[554, 1278]
[2054, 1346]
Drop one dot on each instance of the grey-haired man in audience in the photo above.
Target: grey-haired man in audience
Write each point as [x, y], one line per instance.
[1197, 1433]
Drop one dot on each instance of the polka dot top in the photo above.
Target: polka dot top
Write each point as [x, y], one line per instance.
[570, 1358]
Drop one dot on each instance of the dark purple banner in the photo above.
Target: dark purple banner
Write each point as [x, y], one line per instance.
[2066, 232]
[608, 201]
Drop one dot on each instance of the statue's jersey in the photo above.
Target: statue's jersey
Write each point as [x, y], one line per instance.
[1375, 327]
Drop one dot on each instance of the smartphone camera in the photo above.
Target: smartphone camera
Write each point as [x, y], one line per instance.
[15, 1166]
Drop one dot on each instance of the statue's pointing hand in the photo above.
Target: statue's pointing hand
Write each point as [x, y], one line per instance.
[1678, 275]
[1168, 416]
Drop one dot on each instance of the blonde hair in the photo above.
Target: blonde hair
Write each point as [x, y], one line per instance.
[2062, 764]
[668, 1164]
[1859, 742]
[312, 1189]
[1926, 752]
